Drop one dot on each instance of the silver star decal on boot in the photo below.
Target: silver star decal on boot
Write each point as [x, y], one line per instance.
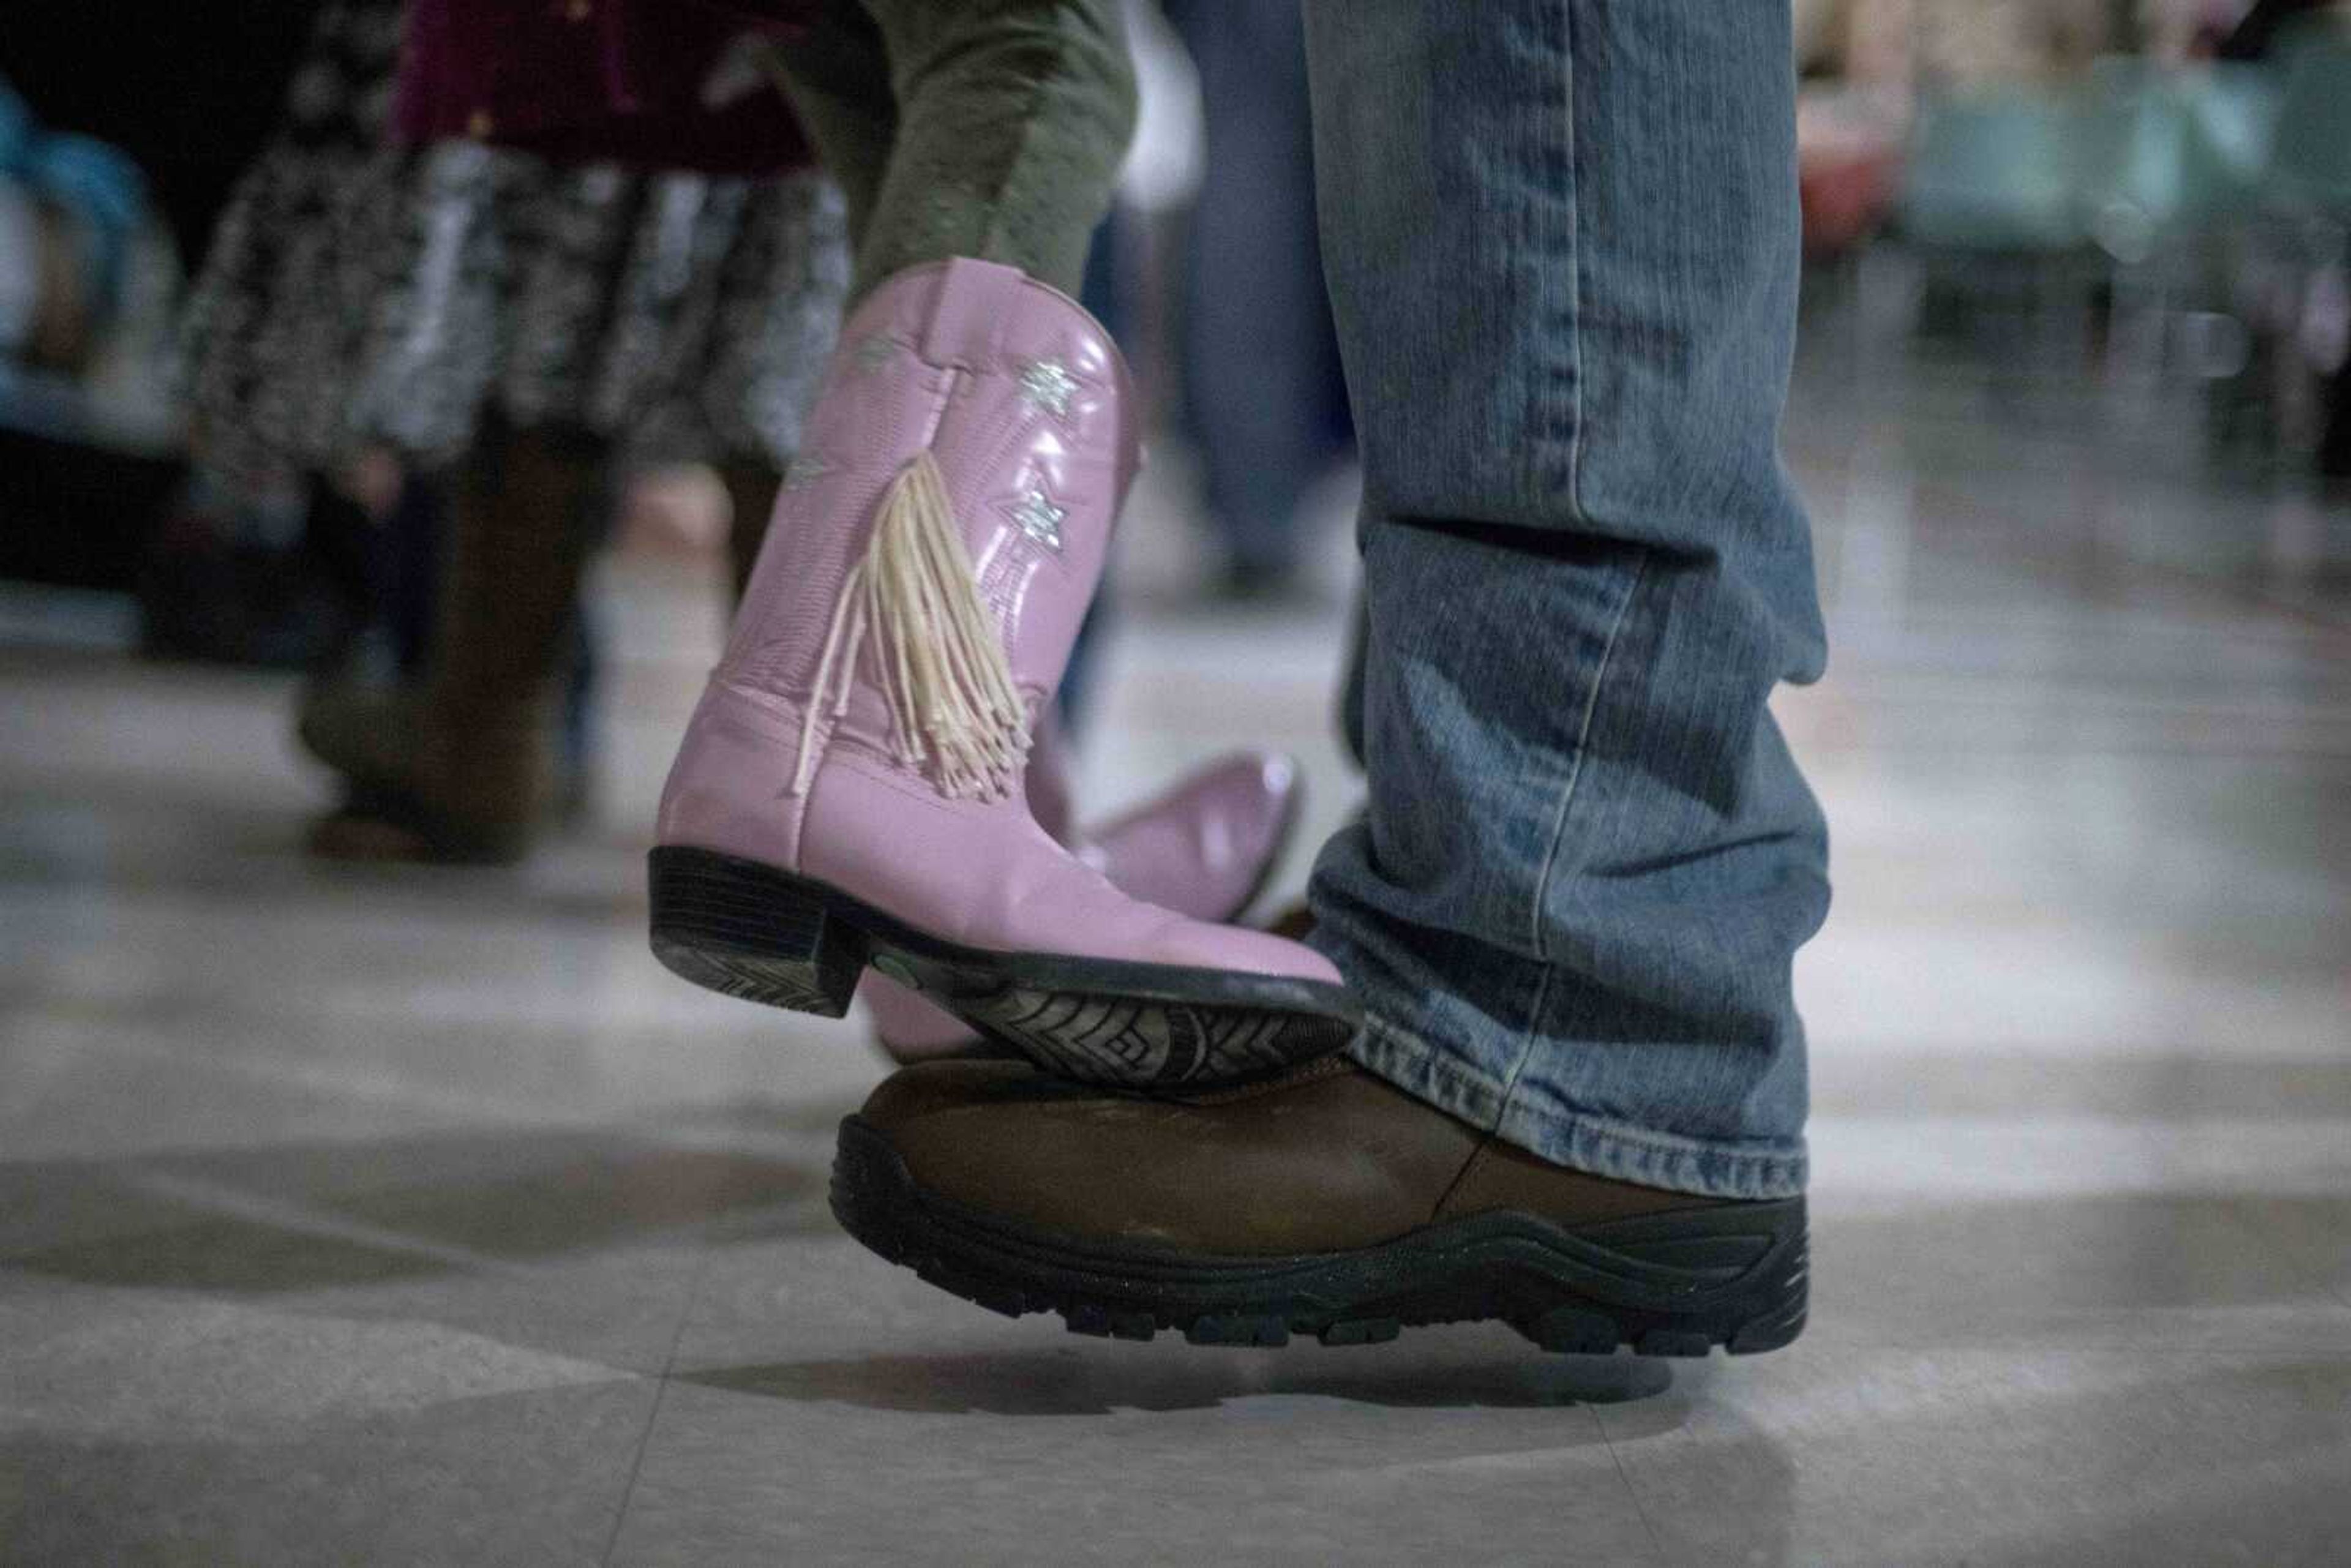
[1041, 519]
[873, 352]
[805, 471]
[1048, 384]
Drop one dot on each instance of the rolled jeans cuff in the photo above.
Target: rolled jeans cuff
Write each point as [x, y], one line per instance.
[1534, 1119]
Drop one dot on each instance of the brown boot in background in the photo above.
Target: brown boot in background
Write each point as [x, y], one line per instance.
[461, 769]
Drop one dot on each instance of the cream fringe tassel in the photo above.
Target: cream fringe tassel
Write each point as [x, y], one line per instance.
[953, 704]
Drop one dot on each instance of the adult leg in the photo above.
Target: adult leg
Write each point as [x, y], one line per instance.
[1562, 251]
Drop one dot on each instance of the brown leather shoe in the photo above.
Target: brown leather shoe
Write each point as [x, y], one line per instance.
[1325, 1203]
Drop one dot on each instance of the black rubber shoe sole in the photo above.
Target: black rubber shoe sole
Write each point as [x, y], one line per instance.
[1675, 1285]
[751, 931]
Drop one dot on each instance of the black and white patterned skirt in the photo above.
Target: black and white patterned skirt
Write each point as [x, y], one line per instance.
[359, 295]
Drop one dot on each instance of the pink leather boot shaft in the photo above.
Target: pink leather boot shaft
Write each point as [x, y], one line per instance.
[1023, 404]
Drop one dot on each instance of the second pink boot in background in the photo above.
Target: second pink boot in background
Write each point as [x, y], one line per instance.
[1205, 848]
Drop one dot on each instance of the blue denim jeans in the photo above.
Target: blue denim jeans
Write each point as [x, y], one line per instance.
[1562, 243]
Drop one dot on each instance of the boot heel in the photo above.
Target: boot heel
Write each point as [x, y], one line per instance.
[749, 931]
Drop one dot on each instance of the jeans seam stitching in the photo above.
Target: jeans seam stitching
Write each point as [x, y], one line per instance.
[1576, 769]
[1377, 1029]
[1575, 285]
[1529, 1035]
[1396, 1036]
[1509, 1085]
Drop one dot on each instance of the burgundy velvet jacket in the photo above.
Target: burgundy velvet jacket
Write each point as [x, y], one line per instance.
[597, 81]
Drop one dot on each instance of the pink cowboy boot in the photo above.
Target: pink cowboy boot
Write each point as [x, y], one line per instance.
[1204, 848]
[850, 791]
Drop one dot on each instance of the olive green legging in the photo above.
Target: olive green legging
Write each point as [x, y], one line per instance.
[990, 128]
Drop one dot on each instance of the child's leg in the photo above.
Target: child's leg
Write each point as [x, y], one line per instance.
[837, 79]
[989, 129]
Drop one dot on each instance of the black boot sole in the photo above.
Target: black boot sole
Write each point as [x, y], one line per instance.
[751, 931]
[1672, 1284]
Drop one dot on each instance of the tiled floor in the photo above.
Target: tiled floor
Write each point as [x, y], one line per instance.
[418, 1217]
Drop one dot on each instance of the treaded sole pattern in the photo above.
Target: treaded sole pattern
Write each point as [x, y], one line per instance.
[1669, 1285]
[750, 930]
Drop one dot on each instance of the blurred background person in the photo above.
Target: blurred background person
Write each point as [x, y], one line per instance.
[89, 280]
[519, 287]
[70, 210]
[2261, 34]
[1258, 363]
[2239, 31]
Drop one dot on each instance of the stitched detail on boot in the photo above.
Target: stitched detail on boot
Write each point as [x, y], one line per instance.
[1477, 1161]
[883, 772]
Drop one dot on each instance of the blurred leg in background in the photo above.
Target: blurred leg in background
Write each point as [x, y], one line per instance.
[465, 759]
[2335, 447]
[1262, 386]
